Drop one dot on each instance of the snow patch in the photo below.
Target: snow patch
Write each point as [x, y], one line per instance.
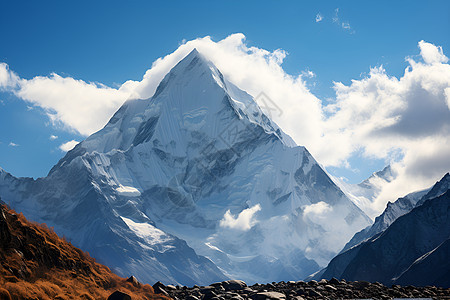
[128, 191]
[147, 232]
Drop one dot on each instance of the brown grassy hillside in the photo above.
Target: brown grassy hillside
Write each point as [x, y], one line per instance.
[36, 264]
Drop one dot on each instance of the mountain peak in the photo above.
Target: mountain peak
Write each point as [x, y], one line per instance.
[194, 53]
[192, 61]
[198, 156]
[193, 98]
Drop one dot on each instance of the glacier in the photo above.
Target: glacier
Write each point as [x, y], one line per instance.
[193, 185]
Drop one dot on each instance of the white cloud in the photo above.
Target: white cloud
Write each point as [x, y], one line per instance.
[319, 17]
[86, 107]
[53, 137]
[12, 144]
[8, 79]
[432, 54]
[319, 208]
[68, 146]
[404, 120]
[244, 221]
[76, 104]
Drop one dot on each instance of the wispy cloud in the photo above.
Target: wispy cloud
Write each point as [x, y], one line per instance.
[68, 146]
[343, 24]
[12, 144]
[53, 137]
[346, 25]
[336, 16]
[319, 17]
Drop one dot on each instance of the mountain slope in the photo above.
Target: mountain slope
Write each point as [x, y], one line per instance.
[433, 268]
[397, 209]
[397, 251]
[364, 193]
[198, 162]
[36, 264]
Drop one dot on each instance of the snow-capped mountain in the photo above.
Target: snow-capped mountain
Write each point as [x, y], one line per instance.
[411, 250]
[364, 193]
[397, 209]
[192, 185]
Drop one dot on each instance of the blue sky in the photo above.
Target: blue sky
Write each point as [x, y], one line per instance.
[110, 42]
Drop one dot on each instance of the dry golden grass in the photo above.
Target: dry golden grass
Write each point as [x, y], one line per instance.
[36, 264]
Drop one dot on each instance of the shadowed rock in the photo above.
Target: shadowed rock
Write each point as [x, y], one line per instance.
[119, 296]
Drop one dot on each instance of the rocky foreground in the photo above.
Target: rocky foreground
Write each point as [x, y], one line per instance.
[298, 290]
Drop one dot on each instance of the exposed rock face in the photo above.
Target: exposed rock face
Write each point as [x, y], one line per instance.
[299, 290]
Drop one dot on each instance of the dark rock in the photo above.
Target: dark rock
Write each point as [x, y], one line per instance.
[159, 284]
[234, 285]
[361, 284]
[160, 288]
[313, 293]
[313, 283]
[5, 233]
[247, 290]
[117, 295]
[205, 289]
[268, 295]
[134, 281]
[334, 281]
[209, 294]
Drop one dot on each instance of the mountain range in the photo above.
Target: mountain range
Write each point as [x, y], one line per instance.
[193, 185]
[408, 243]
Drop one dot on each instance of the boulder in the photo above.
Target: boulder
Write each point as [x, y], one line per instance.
[134, 281]
[268, 295]
[117, 295]
[234, 285]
